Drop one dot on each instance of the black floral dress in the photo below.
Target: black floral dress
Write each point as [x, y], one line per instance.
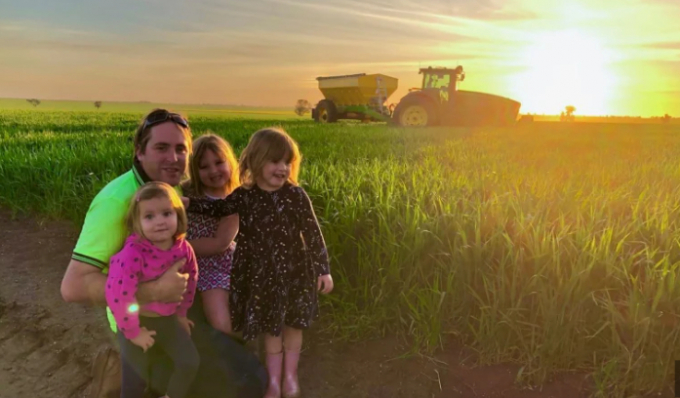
[280, 254]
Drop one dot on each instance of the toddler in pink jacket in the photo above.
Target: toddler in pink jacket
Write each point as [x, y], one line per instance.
[158, 224]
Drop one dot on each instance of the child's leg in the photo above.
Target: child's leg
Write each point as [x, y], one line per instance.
[176, 342]
[292, 340]
[135, 368]
[274, 348]
[216, 307]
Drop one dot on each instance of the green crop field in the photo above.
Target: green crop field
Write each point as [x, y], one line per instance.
[556, 246]
[141, 108]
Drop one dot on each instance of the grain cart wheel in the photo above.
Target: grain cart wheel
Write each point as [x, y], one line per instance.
[326, 112]
[415, 111]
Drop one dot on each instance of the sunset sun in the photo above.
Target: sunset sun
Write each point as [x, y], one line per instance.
[565, 68]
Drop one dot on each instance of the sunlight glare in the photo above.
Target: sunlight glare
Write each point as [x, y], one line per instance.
[565, 68]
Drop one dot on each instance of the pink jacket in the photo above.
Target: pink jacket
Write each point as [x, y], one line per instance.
[140, 261]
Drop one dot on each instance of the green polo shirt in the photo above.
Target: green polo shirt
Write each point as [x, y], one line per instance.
[104, 232]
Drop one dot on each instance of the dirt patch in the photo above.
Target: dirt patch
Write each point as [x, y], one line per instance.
[375, 369]
[47, 346]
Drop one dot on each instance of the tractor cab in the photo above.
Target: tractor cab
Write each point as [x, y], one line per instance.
[440, 83]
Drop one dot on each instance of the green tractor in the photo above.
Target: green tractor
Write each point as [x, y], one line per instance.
[440, 103]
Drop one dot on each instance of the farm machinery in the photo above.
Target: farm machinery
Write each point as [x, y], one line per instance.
[360, 97]
[439, 102]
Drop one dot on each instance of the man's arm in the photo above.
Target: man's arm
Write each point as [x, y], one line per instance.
[102, 235]
[85, 284]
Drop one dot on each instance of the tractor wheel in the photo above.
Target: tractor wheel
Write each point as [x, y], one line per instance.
[415, 112]
[326, 112]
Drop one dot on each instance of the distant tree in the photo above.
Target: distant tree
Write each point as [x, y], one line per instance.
[666, 118]
[33, 101]
[569, 115]
[97, 104]
[302, 107]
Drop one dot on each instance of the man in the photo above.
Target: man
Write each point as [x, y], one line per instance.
[162, 148]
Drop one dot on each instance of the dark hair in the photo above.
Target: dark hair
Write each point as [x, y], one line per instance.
[143, 133]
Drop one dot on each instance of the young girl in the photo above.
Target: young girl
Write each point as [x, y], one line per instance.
[214, 175]
[157, 222]
[281, 259]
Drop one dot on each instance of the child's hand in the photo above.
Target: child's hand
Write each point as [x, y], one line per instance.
[144, 339]
[325, 283]
[186, 324]
[185, 201]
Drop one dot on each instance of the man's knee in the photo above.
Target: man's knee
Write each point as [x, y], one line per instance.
[106, 374]
[189, 362]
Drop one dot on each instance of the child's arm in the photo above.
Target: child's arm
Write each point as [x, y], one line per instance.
[225, 234]
[312, 235]
[191, 268]
[214, 208]
[121, 287]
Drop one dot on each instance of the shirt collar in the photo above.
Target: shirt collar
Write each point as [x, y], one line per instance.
[140, 175]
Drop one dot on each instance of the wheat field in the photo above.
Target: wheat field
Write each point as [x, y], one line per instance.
[552, 245]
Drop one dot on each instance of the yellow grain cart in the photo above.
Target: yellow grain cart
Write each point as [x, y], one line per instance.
[359, 96]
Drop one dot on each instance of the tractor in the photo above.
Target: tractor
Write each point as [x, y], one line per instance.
[438, 102]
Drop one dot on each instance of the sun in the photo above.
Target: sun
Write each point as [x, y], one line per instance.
[565, 68]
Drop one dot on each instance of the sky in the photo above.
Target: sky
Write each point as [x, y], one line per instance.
[604, 57]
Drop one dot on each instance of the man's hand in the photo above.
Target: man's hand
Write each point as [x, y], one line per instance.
[172, 284]
[169, 288]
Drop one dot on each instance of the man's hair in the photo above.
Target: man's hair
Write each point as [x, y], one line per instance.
[143, 135]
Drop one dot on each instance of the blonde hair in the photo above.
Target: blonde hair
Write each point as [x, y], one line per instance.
[152, 190]
[269, 145]
[221, 148]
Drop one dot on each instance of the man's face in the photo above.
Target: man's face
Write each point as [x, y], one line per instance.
[165, 158]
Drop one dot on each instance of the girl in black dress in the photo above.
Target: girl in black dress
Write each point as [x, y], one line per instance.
[281, 261]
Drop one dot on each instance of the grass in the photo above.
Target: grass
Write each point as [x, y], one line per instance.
[553, 246]
[140, 108]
